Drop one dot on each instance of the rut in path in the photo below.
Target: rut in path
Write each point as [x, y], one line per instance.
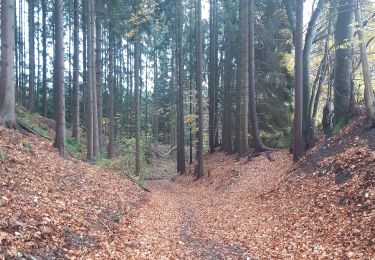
[168, 225]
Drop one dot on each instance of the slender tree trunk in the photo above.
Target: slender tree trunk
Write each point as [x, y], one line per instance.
[306, 123]
[44, 58]
[111, 144]
[199, 88]
[297, 130]
[59, 79]
[369, 94]
[228, 71]
[75, 107]
[7, 86]
[191, 86]
[343, 61]
[89, 86]
[137, 107]
[180, 103]
[212, 76]
[31, 57]
[99, 70]
[257, 141]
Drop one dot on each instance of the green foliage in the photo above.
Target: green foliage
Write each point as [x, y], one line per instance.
[126, 149]
[73, 147]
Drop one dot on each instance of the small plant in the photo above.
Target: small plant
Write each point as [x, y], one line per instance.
[126, 148]
[73, 146]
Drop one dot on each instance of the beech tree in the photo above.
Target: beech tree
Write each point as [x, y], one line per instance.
[344, 34]
[369, 93]
[297, 129]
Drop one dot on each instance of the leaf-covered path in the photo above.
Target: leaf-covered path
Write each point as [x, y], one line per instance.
[167, 225]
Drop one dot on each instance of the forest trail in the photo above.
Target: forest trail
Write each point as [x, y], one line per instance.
[168, 225]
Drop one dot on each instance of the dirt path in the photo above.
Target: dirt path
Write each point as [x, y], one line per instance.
[168, 225]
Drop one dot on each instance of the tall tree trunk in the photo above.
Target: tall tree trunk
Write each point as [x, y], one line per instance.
[297, 129]
[228, 71]
[59, 79]
[99, 70]
[343, 61]
[44, 58]
[137, 106]
[180, 103]
[257, 141]
[369, 94]
[191, 85]
[75, 107]
[199, 88]
[212, 75]
[244, 79]
[89, 86]
[306, 123]
[111, 144]
[7, 86]
[31, 57]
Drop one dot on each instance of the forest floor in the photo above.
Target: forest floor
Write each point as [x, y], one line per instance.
[63, 208]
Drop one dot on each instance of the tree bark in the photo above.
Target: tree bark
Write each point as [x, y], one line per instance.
[31, 57]
[180, 103]
[244, 78]
[228, 71]
[75, 103]
[89, 86]
[369, 94]
[111, 144]
[7, 84]
[310, 33]
[199, 88]
[343, 61]
[297, 129]
[257, 141]
[99, 70]
[137, 106]
[59, 79]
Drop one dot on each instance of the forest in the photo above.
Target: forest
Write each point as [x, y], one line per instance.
[187, 129]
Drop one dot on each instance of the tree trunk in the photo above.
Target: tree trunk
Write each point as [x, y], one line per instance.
[89, 86]
[257, 141]
[31, 57]
[44, 58]
[244, 79]
[111, 144]
[137, 106]
[343, 61]
[297, 129]
[99, 70]
[59, 79]
[306, 123]
[199, 88]
[180, 103]
[228, 71]
[75, 107]
[212, 75]
[369, 94]
[7, 86]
